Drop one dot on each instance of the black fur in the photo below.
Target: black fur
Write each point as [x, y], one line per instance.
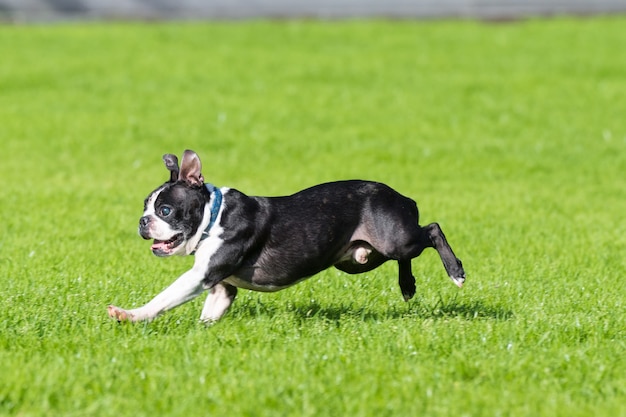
[274, 242]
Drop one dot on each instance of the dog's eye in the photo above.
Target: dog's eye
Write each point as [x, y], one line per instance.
[165, 211]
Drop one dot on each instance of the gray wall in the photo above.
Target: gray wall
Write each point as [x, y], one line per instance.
[46, 10]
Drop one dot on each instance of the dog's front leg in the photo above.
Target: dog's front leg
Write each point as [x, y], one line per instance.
[220, 297]
[185, 288]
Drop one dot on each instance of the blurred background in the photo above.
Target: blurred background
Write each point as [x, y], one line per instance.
[53, 10]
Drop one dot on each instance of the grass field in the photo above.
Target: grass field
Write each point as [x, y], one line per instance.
[511, 136]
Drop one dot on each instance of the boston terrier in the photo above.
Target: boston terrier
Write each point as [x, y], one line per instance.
[271, 243]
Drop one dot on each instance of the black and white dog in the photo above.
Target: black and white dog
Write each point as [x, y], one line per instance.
[271, 243]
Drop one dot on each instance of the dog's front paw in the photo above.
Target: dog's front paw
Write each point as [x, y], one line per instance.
[119, 314]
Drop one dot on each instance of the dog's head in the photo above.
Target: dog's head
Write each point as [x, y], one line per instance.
[174, 212]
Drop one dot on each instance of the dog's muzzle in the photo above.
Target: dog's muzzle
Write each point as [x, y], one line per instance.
[144, 227]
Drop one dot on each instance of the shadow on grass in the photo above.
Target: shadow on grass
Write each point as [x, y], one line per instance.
[474, 310]
[416, 309]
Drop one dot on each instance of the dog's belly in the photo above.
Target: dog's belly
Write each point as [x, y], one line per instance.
[268, 275]
[258, 285]
[357, 258]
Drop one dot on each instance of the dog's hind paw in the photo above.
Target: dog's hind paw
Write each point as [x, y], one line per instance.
[458, 280]
[119, 314]
[408, 295]
[407, 286]
[458, 273]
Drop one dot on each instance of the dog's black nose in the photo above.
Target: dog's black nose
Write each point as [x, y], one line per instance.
[143, 222]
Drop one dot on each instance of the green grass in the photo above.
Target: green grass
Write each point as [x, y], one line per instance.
[511, 136]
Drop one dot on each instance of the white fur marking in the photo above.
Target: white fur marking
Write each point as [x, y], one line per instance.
[159, 229]
[217, 303]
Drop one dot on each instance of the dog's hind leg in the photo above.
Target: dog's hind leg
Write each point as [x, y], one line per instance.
[220, 297]
[406, 279]
[409, 243]
[432, 236]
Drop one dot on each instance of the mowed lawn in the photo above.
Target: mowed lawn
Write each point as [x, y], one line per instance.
[511, 136]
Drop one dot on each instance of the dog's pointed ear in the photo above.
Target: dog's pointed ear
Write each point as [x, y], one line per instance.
[190, 169]
[171, 163]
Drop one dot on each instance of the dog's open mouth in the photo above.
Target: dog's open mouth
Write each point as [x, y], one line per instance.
[164, 247]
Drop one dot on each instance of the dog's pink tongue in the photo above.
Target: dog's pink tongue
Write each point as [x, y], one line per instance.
[158, 245]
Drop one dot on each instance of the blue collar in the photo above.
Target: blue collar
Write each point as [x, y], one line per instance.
[215, 209]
